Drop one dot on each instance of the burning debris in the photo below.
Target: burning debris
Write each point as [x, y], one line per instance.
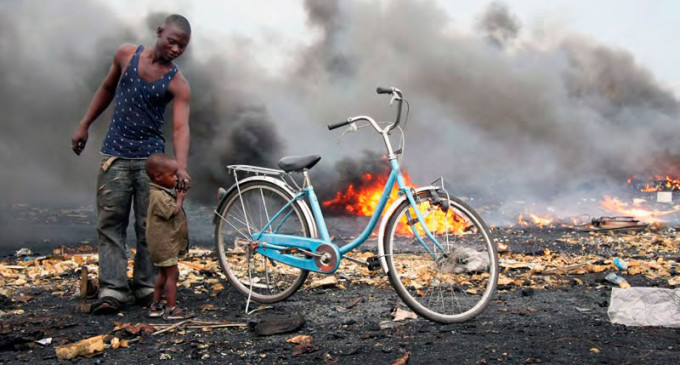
[655, 184]
[612, 223]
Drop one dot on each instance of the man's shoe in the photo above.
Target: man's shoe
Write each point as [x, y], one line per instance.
[106, 305]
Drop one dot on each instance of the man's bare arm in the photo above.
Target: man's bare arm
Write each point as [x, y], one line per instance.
[179, 87]
[102, 98]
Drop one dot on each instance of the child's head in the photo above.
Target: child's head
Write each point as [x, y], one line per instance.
[162, 170]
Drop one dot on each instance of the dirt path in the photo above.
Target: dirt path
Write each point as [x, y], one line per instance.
[351, 325]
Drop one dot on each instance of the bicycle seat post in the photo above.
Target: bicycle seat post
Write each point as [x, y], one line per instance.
[306, 181]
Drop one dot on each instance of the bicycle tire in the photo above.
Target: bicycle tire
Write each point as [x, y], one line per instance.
[449, 289]
[253, 275]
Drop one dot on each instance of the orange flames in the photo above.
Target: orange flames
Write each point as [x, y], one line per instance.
[534, 219]
[362, 200]
[437, 221]
[659, 183]
[636, 210]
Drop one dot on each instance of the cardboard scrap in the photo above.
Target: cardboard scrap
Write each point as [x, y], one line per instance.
[401, 314]
[85, 347]
[330, 280]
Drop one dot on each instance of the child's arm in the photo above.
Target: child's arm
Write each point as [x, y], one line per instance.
[180, 200]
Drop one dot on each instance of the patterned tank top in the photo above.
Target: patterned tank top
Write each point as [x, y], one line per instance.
[136, 130]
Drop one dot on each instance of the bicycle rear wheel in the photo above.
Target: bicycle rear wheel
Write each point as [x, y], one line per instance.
[262, 279]
[450, 286]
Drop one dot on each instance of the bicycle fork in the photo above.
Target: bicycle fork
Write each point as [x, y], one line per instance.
[415, 218]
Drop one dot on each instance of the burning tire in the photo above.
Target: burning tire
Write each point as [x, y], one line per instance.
[446, 287]
[252, 274]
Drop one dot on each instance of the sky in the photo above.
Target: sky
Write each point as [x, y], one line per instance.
[648, 30]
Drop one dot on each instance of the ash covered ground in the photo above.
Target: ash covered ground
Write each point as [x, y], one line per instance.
[556, 313]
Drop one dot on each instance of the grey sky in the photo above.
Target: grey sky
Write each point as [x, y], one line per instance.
[647, 29]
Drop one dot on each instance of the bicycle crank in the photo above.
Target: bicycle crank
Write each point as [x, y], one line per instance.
[326, 258]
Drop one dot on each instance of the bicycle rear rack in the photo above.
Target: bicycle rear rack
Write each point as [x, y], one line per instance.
[259, 171]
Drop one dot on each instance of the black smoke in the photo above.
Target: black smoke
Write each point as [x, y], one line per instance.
[499, 111]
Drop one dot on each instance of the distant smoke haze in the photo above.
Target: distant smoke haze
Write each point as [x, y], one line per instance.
[501, 113]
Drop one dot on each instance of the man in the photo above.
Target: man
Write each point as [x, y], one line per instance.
[143, 81]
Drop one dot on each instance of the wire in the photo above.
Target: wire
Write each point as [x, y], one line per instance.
[408, 110]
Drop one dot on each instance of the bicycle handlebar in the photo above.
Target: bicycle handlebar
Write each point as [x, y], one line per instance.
[396, 95]
[338, 124]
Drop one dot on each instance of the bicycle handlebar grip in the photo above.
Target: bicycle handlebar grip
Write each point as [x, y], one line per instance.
[337, 125]
[384, 90]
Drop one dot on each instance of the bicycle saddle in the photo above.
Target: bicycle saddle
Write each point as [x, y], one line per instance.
[298, 163]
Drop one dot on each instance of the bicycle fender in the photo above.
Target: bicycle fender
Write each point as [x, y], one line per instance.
[386, 218]
[303, 205]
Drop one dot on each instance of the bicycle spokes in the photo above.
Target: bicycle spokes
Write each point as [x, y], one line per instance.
[450, 279]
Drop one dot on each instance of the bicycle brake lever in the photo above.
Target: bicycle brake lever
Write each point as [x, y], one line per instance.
[351, 128]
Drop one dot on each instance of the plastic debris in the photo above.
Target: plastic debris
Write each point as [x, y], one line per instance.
[621, 264]
[464, 259]
[642, 306]
[619, 280]
[24, 252]
[44, 341]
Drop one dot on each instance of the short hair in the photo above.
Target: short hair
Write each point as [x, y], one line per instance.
[158, 163]
[179, 21]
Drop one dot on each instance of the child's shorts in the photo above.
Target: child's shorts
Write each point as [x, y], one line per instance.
[167, 263]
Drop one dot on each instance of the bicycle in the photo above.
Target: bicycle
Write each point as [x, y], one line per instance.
[438, 253]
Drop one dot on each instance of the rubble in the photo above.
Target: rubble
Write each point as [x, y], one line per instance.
[549, 276]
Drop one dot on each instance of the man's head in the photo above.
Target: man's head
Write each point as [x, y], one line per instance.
[173, 37]
[162, 170]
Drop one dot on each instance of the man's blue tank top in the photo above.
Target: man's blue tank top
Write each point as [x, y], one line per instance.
[136, 130]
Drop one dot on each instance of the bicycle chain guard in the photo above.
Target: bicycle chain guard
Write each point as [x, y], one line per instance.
[328, 258]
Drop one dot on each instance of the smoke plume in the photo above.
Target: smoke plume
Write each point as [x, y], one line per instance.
[501, 113]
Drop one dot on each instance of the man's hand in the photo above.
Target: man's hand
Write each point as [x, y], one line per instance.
[184, 181]
[79, 140]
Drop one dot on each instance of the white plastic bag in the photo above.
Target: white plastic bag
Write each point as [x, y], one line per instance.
[641, 306]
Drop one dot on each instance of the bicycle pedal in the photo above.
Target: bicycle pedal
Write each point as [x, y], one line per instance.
[373, 263]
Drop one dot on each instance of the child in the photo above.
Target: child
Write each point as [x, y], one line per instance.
[166, 233]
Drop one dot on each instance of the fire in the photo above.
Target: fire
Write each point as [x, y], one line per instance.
[659, 183]
[636, 210]
[536, 220]
[437, 221]
[362, 200]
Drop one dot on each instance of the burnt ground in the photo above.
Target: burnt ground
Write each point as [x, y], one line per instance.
[352, 323]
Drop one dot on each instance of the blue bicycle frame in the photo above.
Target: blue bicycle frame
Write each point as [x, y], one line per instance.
[279, 247]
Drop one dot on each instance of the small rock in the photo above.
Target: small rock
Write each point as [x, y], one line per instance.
[350, 321]
[276, 324]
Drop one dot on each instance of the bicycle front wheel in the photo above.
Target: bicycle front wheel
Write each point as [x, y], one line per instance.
[241, 215]
[450, 283]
